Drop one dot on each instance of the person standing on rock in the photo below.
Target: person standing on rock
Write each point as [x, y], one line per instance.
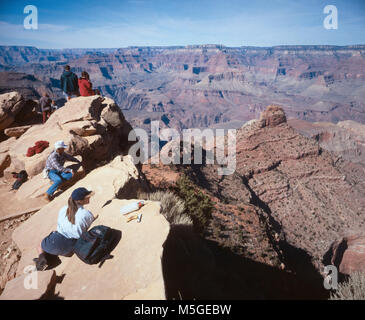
[54, 106]
[69, 83]
[55, 169]
[73, 220]
[45, 106]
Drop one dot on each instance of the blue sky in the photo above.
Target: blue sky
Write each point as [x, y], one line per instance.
[111, 24]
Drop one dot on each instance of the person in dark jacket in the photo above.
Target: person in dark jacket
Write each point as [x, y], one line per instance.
[69, 83]
[85, 85]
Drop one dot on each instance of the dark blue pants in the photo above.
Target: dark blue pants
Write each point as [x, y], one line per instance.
[57, 244]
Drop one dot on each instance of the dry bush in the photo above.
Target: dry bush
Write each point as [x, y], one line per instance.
[352, 289]
[172, 207]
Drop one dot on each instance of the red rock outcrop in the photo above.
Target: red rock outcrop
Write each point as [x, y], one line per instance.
[348, 254]
[304, 198]
[272, 116]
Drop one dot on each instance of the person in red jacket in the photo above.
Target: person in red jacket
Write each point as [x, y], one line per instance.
[85, 85]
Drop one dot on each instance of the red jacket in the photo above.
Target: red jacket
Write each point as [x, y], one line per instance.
[85, 87]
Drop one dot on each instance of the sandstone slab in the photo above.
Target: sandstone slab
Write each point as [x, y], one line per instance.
[16, 131]
[21, 289]
[135, 269]
[80, 125]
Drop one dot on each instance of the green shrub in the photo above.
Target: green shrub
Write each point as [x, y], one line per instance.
[172, 207]
[198, 205]
[352, 289]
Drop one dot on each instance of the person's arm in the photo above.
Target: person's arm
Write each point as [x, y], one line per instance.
[71, 158]
[76, 82]
[62, 82]
[55, 164]
[90, 88]
[89, 218]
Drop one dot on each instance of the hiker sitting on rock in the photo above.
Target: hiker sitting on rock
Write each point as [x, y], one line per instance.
[55, 170]
[73, 220]
[85, 85]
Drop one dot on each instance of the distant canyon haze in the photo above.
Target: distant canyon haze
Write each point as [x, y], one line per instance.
[202, 85]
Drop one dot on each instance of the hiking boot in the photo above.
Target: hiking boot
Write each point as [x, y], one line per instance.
[41, 263]
[47, 197]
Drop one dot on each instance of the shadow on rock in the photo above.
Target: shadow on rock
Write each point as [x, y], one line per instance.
[195, 268]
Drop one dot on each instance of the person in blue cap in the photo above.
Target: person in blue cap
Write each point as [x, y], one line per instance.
[73, 220]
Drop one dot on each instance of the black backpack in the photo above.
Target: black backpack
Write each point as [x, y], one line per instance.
[95, 245]
[21, 177]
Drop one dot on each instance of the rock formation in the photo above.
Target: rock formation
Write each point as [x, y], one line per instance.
[135, 270]
[204, 86]
[93, 127]
[10, 105]
[348, 254]
[272, 116]
[282, 212]
[303, 199]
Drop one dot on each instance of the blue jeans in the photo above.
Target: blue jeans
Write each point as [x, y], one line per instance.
[57, 177]
[57, 244]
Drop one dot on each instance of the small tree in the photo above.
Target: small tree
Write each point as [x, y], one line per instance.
[197, 204]
[172, 207]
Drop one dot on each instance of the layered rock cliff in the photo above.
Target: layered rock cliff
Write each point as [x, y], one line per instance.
[304, 201]
[201, 86]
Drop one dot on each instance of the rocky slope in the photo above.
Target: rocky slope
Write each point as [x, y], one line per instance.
[288, 209]
[94, 128]
[201, 86]
[346, 138]
[96, 132]
[303, 199]
[125, 275]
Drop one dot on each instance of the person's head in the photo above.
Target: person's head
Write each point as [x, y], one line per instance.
[67, 68]
[85, 75]
[45, 94]
[53, 102]
[79, 197]
[60, 147]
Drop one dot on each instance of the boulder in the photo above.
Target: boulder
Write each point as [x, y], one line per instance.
[4, 162]
[82, 128]
[10, 105]
[272, 116]
[111, 115]
[22, 288]
[16, 131]
[135, 269]
[348, 254]
[80, 125]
